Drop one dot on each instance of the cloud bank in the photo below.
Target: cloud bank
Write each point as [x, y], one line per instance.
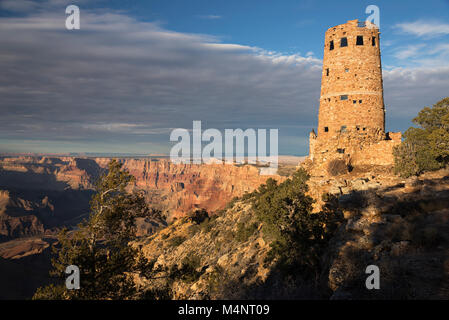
[121, 85]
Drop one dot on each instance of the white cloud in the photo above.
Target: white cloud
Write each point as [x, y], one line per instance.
[19, 6]
[129, 128]
[409, 51]
[32, 6]
[424, 28]
[210, 17]
[408, 90]
[123, 81]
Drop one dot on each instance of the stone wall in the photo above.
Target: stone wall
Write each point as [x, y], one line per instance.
[380, 153]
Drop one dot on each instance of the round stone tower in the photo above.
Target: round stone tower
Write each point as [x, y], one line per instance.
[351, 118]
[351, 86]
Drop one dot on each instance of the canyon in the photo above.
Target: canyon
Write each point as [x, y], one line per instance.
[41, 194]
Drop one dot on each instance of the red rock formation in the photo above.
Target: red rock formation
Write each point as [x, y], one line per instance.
[185, 187]
[176, 188]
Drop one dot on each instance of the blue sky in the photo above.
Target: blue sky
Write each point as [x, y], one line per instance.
[286, 26]
[138, 69]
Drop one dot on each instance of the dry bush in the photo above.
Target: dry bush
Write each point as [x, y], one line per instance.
[337, 167]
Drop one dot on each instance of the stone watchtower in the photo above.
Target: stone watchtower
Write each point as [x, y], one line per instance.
[351, 119]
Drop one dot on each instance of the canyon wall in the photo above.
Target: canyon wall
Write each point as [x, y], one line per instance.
[38, 193]
[180, 188]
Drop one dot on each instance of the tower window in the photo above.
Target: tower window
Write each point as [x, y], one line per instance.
[373, 41]
[331, 45]
[327, 72]
[344, 97]
[360, 101]
[344, 42]
[346, 70]
[354, 101]
[359, 41]
[340, 150]
[326, 129]
[343, 129]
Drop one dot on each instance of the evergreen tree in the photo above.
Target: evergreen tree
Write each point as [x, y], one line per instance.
[298, 236]
[101, 246]
[425, 148]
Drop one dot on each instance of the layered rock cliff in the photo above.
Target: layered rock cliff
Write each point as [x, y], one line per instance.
[181, 188]
[56, 190]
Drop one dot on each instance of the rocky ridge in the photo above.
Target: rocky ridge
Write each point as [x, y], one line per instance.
[399, 225]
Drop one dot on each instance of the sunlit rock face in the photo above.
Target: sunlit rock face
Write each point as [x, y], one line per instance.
[42, 183]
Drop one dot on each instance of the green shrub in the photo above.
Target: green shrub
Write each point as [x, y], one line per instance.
[207, 225]
[187, 271]
[176, 241]
[298, 236]
[165, 236]
[197, 216]
[244, 231]
[231, 203]
[425, 148]
[164, 293]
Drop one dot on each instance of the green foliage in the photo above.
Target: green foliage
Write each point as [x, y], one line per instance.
[198, 216]
[231, 203]
[176, 241]
[100, 246]
[165, 236]
[50, 292]
[245, 231]
[164, 293]
[207, 225]
[187, 271]
[298, 236]
[425, 148]
[215, 279]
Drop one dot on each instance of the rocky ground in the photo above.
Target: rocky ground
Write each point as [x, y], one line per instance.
[39, 195]
[225, 253]
[399, 225]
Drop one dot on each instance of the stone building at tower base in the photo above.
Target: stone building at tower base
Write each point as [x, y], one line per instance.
[354, 147]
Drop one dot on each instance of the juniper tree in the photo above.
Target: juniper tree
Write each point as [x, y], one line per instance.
[100, 246]
[426, 147]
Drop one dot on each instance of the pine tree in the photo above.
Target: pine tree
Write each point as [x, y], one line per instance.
[101, 246]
